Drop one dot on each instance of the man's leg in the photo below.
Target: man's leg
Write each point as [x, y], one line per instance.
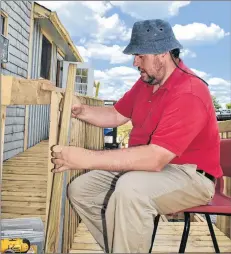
[140, 196]
[89, 195]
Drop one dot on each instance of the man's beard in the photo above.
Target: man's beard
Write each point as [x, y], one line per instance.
[151, 80]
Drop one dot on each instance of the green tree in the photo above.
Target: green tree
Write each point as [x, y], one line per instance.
[216, 103]
[228, 105]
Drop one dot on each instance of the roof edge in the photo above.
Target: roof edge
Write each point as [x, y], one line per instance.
[43, 12]
[65, 35]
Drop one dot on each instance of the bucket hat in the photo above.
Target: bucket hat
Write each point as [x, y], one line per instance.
[152, 37]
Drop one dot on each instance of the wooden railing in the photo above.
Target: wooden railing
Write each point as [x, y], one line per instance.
[224, 222]
[61, 220]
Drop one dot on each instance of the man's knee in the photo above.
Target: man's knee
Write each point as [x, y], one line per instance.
[133, 193]
[74, 190]
[125, 190]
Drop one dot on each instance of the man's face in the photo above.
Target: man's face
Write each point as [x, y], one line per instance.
[151, 67]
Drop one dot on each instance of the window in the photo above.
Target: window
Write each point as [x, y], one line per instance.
[81, 81]
[59, 68]
[46, 58]
[3, 38]
[3, 25]
[59, 73]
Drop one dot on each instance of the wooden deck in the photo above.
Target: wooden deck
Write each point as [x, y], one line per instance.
[24, 184]
[167, 239]
[24, 194]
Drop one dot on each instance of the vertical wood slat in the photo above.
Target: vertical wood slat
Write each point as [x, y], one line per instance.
[53, 228]
[26, 127]
[77, 135]
[70, 176]
[81, 135]
[53, 140]
[3, 120]
[66, 228]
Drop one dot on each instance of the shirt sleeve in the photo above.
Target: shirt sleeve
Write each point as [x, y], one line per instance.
[182, 120]
[125, 104]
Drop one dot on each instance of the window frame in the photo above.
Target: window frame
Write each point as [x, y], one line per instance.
[5, 16]
[5, 32]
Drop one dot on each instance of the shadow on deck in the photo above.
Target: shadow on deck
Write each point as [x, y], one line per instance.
[24, 184]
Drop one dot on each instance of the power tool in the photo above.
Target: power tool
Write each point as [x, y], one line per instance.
[15, 245]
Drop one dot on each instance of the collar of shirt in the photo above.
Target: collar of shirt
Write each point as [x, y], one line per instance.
[173, 77]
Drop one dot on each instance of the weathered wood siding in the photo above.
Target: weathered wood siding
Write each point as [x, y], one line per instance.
[19, 15]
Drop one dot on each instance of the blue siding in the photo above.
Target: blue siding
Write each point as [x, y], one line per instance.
[19, 14]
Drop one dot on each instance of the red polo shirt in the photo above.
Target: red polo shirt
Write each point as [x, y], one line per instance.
[179, 116]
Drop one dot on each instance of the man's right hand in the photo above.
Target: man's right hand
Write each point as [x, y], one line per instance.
[76, 109]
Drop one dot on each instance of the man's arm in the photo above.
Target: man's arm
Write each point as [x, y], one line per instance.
[141, 158]
[102, 116]
[108, 116]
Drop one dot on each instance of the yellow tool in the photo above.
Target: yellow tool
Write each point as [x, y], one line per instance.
[15, 245]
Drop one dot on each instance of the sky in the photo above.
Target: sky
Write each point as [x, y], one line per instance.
[102, 29]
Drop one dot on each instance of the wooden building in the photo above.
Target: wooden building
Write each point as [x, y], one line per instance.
[39, 48]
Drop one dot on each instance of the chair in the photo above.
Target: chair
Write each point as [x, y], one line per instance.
[220, 204]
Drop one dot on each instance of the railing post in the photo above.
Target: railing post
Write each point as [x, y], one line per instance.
[3, 119]
[54, 216]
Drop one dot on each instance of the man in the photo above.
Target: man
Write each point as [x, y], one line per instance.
[173, 157]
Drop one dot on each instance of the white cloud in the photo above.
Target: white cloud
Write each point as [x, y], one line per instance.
[114, 54]
[86, 19]
[111, 28]
[116, 81]
[218, 87]
[201, 74]
[187, 53]
[150, 10]
[215, 81]
[53, 5]
[199, 33]
[175, 7]
[100, 7]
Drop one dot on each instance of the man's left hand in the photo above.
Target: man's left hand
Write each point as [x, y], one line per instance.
[69, 157]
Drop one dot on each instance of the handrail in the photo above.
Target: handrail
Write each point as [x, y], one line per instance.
[63, 130]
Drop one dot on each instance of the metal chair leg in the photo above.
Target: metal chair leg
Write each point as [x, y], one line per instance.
[185, 232]
[213, 236]
[156, 221]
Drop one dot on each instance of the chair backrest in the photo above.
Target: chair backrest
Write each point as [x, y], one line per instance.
[225, 156]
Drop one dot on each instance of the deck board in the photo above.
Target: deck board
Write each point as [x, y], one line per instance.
[167, 239]
[24, 184]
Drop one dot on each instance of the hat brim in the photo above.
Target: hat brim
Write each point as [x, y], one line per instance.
[160, 47]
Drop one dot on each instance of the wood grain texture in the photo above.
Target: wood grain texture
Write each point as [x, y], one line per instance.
[26, 127]
[24, 184]
[53, 140]
[3, 121]
[167, 240]
[53, 228]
